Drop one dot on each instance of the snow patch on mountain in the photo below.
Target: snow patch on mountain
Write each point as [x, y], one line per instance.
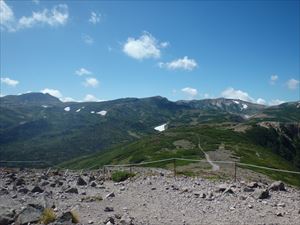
[245, 106]
[67, 109]
[102, 113]
[161, 128]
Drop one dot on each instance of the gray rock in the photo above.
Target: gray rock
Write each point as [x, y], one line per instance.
[222, 187]
[7, 215]
[23, 190]
[81, 181]
[252, 185]
[261, 194]
[4, 191]
[110, 220]
[93, 184]
[72, 190]
[277, 186]
[66, 217]
[20, 182]
[126, 220]
[108, 209]
[110, 195]
[31, 214]
[248, 189]
[37, 189]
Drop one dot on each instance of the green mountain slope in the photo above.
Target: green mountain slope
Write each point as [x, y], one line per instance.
[182, 142]
[38, 126]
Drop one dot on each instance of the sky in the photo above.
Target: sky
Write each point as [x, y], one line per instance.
[103, 50]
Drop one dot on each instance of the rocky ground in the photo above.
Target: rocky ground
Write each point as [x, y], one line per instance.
[158, 198]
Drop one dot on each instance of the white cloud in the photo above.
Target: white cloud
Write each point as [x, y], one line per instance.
[68, 99]
[83, 71]
[91, 98]
[6, 17]
[57, 16]
[292, 84]
[9, 82]
[53, 92]
[192, 92]
[236, 94]
[273, 79]
[95, 18]
[144, 47]
[91, 82]
[261, 101]
[87, 39]
[180, 64]
[276, 102]
[164, 44]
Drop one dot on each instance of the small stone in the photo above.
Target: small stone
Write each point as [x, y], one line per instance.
[232, 208]
[37, 189]
[280, 214]
[281, 205]
[90, 222]
[110, 195]
[122, 189]
[81, 181]
[252, 185]
[248, 189]
[250, 206]
[72, 190]
[108, 209]
[93, 184]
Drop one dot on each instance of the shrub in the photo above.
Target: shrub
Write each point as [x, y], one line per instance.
[119, 176]
[48, 216]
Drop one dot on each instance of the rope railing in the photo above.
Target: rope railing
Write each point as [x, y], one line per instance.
[201, 160]
[156, 161]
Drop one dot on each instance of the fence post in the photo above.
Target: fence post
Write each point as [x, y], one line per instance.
[104, 173]
[235, 171]
[174, 167]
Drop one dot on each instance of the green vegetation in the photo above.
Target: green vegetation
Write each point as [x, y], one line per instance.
[161, 146]
[118, 176]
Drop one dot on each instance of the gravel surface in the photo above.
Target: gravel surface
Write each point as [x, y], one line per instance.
[153, 199]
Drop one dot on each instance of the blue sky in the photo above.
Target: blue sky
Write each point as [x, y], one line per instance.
[90, 50]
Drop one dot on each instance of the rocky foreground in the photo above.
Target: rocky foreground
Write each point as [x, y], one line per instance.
[29, 197]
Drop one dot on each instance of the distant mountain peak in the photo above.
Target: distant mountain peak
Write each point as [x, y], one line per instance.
[33, 98]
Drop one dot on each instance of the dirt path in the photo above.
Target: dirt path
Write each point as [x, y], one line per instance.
[215, 167]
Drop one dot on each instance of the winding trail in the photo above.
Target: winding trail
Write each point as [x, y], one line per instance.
[215, 167]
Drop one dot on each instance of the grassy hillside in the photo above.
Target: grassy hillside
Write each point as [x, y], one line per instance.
[182, 142]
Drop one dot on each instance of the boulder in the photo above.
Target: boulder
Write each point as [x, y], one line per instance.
[277, 186]
[31, 214]
[252, 185]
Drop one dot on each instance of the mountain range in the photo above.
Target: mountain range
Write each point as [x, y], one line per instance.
[38, 126]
